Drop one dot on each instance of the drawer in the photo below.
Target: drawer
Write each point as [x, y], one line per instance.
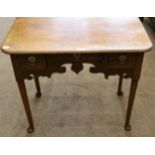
[32, 62]
[100, 58]
[69, 58]
[122, 61]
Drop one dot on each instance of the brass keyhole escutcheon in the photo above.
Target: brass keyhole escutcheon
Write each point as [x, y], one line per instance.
[76, 56]
[122, 59]
[31, 59]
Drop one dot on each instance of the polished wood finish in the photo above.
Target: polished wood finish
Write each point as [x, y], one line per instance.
[78, 35]
[41, 46]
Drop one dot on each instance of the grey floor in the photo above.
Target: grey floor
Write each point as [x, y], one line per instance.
[71, 105]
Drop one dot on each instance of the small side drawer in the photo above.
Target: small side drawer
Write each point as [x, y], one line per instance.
[122, 61]
[32, 62]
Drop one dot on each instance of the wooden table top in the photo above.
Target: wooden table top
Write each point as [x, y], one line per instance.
[76, 35]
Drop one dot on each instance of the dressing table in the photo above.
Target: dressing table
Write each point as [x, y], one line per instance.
[41, 46]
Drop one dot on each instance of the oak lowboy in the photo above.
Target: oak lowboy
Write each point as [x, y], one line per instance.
[41, 47]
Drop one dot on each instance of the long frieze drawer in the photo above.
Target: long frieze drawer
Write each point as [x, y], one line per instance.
[100, 58]
[71, 58]
[32, 62]
[122, 61]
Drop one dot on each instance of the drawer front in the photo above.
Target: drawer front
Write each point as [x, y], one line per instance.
[32, 62]
[86, 58]
[83, 58]
[122, 61]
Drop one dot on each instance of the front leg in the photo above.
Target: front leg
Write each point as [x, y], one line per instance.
[134, 82]
[133, 89]
[22, 89]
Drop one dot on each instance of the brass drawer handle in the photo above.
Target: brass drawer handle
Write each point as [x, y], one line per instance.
[31, 59]
[122, 59]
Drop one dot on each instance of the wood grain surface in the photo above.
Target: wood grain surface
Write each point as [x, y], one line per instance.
[76, 35]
